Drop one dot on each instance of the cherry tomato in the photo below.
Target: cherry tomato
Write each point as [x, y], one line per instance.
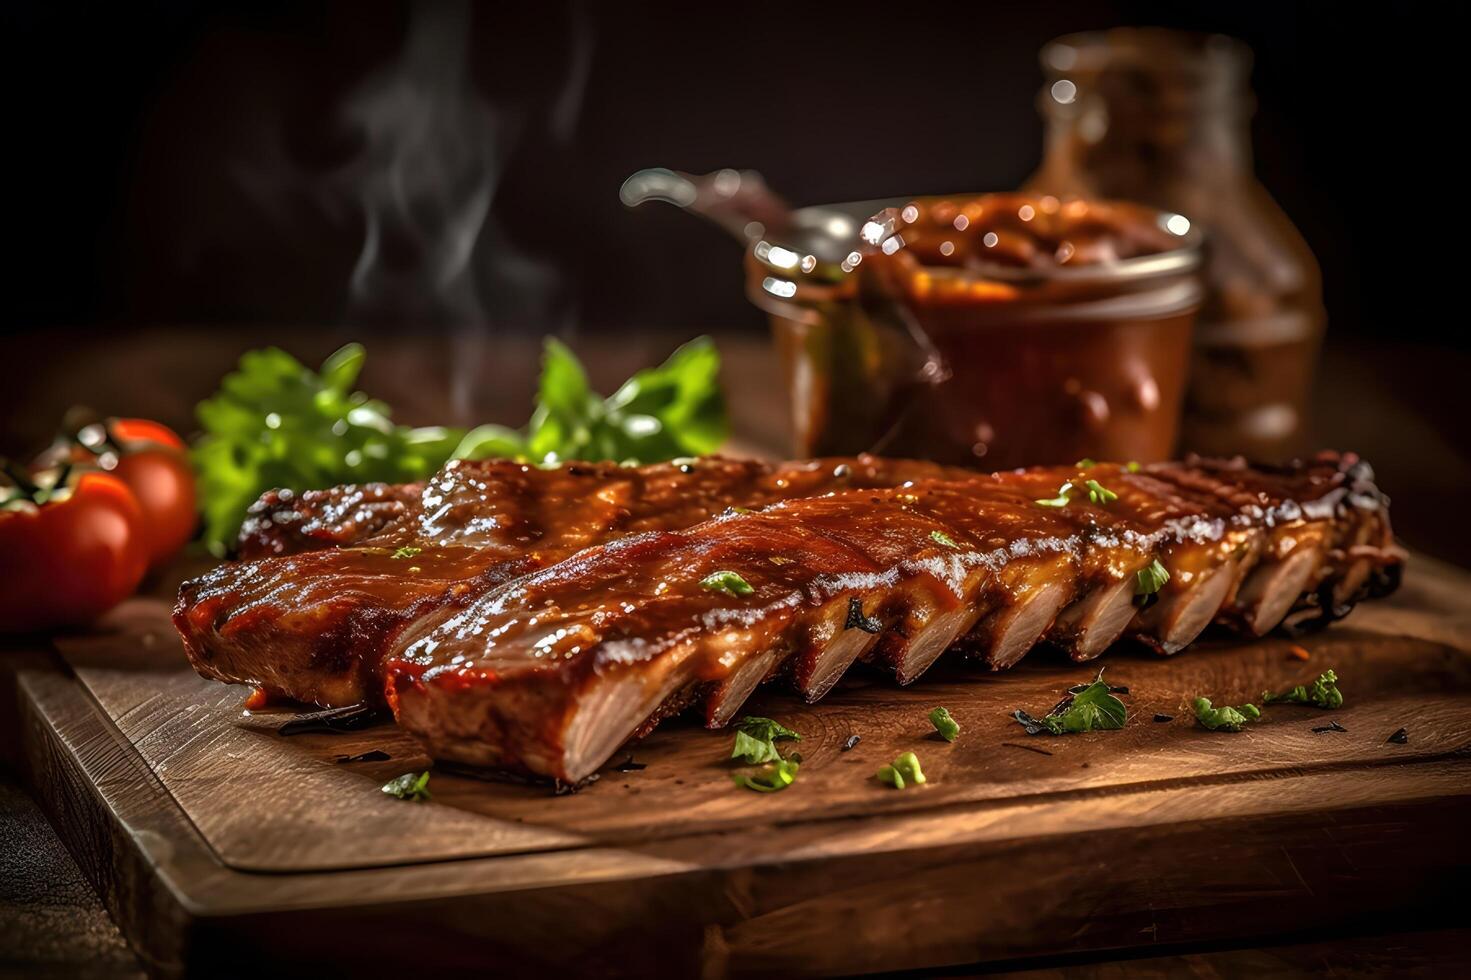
[131, 432]
[69, 552]
[150, 458]
[152, 462]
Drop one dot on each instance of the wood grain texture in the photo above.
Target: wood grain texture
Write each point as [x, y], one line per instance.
[208, 828]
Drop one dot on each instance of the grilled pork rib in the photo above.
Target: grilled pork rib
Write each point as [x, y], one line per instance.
[552, 671]
[536, 619]
[283, 522]
[314, 623]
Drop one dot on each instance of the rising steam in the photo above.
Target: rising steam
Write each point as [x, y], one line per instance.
[433, 150]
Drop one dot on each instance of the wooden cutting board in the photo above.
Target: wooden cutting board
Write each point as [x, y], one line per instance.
[221, 845]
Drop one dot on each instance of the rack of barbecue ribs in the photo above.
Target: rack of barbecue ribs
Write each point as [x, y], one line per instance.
[535, 619]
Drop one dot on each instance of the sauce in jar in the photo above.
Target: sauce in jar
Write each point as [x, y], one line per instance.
[996, 331]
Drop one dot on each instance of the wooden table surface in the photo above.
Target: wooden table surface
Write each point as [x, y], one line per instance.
[1380, 400]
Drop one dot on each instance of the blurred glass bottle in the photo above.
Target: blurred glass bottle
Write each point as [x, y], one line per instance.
[1161, 117]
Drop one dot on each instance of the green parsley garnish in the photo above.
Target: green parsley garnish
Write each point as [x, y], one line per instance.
[1224, 718]
[940, 537]
[772, 778]
[902, 771]
[1061, 500]
[1133, 466]
[756, 737]
[1090, 707]
[1148, 582]
[410, 786]
[407, 551]
[1085, 463]
[728, 582]
[766, 728]
[753, 751]
[1322, 693]
[1100, 494]
[274, 422]
[947, 726]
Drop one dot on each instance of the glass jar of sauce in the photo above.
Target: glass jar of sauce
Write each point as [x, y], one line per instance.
[1161, 117]
[995, 331]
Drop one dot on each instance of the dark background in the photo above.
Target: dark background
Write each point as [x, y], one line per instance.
[178, 163]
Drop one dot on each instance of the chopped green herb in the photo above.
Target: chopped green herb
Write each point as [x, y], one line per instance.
[940, 537]
[1092, 707]
[1061, 500]
[1100, 494]
[753, 751]
[410, 786]
[1132, 466]
[407, 551]
[772, 778]
[1148, 582]
[1085, 463]
[1224, 718]
[857, 621]
[766, 728]
[728, 582]
[756, 737]
[902, 771]
[947, 726]
[1322, 693]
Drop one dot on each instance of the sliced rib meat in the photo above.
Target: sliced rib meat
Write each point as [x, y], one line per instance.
[552, 671]
[314, 625]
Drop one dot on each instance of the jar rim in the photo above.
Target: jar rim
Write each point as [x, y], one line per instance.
[1187, 256]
